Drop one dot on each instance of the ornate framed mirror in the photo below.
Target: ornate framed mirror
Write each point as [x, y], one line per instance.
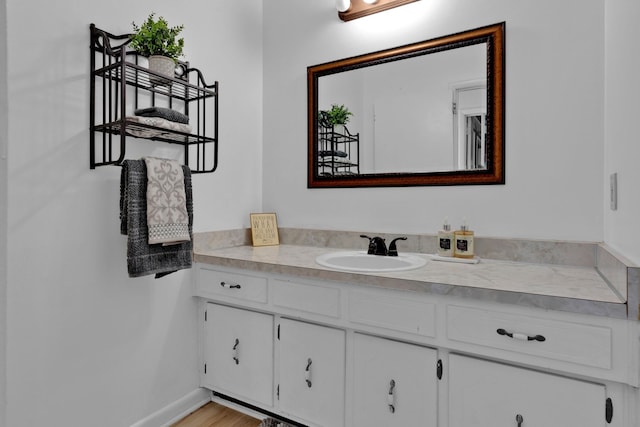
[428, 113]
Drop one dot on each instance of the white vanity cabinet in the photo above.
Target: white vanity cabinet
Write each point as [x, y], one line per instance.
[330, 354]
[485, 393]
[395, 384]
[312, 372]
[238, 353]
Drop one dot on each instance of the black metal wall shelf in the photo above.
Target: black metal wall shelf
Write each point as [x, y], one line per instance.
[120, 85]
[338, 152]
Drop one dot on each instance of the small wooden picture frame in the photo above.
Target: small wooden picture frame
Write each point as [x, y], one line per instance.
[264, 229]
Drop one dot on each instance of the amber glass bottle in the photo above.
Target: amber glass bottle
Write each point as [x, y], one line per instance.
[463, 242]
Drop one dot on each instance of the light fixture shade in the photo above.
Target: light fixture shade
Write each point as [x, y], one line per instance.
[359, 8]
[343, 5]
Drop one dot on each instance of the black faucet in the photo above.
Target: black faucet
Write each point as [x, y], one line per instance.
[376, 245]
[393, 251]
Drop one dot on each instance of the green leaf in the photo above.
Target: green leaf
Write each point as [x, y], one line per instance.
[156, 37]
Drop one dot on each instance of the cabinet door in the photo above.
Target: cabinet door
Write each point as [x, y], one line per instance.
[490, 394]
[395, 384]
[238, 352]
[312, 371]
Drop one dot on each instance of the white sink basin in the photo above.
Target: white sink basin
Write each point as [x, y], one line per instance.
[361, 261]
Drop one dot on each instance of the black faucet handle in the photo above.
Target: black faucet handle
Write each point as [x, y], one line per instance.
[372, 246]
[393, 251]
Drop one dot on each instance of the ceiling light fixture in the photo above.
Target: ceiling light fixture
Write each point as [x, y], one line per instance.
[353, 9]
[343, 5]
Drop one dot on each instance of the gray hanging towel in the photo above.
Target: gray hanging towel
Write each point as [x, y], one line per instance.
[142, 258]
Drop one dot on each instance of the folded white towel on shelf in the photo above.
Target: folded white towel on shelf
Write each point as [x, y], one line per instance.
[158, 122]
[336, 160]
[167, 217]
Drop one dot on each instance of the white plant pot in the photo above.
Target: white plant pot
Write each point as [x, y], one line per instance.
[161, 65]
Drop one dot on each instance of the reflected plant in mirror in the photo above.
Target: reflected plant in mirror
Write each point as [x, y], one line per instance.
[336, 115]
[430, 113]
[338, 153]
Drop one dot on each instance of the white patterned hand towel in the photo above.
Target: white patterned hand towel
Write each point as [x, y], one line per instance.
[167, 217]
[158, 124]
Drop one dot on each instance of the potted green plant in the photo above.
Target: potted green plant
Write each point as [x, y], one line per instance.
[337, 117]
[159, 42]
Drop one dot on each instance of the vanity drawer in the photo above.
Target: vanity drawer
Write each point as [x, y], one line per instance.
[308, 298]
[588, 345]
[390, 312]
[216, 284]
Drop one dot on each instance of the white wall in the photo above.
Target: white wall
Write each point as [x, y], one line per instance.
[554, 118]
[622, 155]
[86, 345]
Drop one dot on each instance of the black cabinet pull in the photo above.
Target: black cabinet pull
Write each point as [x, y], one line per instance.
[230, 285]
[608, 415]
[520, 336]
[519, 420]
[391, 397]
[235, 351]
[307, 373]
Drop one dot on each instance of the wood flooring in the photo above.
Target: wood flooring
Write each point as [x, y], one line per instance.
[215, 415]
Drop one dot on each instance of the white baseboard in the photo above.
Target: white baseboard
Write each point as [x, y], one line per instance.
[177, 410]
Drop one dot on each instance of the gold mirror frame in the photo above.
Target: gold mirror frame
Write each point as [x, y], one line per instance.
[494, 37]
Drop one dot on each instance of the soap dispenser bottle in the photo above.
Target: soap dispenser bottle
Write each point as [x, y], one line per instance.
[445, 240]
[463, 242]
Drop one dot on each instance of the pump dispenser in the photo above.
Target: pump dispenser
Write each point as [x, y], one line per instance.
[463, 242]
[445, 240]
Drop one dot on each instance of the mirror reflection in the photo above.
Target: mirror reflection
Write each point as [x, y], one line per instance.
[421, 114]
[424, 114]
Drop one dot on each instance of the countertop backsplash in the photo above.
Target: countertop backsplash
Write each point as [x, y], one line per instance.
[622, 275]
[519, 250]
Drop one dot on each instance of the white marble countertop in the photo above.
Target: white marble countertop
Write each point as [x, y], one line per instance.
[568, 288]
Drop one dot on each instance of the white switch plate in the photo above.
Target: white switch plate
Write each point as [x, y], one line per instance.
[613, 188]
